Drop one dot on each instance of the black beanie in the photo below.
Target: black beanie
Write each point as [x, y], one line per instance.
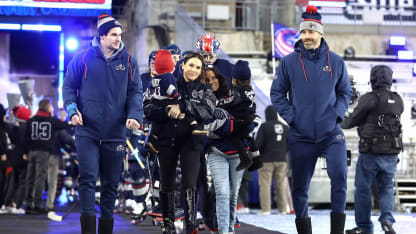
[105, 23]
[241, 71]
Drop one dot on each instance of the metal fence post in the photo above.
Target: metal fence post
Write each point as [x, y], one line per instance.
[204, 8]
[257, 14]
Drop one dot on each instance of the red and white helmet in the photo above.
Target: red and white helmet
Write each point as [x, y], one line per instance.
[208, 43]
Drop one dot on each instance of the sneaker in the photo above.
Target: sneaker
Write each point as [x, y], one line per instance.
[20, 211]
[243, 210]
[264, 212]
[387, 228]
[12, 210]
[53, 216]
[239, 206]
[3, 210]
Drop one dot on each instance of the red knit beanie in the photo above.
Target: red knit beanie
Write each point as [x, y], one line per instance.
[164, 62]
[21, 112]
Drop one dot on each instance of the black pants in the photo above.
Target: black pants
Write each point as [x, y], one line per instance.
[184, 150]
[21, 186]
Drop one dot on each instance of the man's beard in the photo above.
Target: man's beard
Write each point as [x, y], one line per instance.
[312, 45]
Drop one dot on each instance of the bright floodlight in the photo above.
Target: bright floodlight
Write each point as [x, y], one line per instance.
[405, 55]
[397, 41]
[71, 44]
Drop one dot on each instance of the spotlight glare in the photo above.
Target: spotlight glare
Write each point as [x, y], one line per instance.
[71, 44]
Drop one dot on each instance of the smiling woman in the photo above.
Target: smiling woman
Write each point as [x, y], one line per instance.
[177, 140]
[192, 67]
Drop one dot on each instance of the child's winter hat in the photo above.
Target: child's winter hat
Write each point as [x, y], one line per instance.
[105, 23]
[311, 20]
[173, 49]
[152, 57]
[21, 112]
[241, 71]
[164, 62]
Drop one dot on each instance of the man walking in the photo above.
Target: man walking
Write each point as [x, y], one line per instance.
[319, 93]
[103, 95]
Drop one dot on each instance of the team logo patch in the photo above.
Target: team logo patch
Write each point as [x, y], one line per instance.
[312, 26]
[120, 67]
[120, 148]
[326, 69]
[340, 137]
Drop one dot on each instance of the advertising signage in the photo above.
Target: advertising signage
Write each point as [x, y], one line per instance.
[54, 7]
[391, 12]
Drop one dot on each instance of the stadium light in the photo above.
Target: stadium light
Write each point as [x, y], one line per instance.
[41, 27]
[397, 41]
[6, 26]
[72, 44]
[405, 55]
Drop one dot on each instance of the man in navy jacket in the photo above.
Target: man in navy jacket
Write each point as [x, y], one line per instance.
[319, 93]
[103, 95]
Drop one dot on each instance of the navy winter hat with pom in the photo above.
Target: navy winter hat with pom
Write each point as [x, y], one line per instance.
[105, 23]
[241, 71]
[311, 20]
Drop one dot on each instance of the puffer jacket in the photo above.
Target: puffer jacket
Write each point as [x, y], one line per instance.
[107, 92]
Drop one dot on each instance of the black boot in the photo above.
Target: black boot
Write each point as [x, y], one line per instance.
[167, 205]
[337, 223]
[245, 161]
[387, 228]
[105, 226]
[356, 230]
[303, 226]
[257, 164]
[88, 224]
[190, 212]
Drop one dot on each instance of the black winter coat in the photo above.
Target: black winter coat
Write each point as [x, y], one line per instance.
[198, 101]
[272, 138]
